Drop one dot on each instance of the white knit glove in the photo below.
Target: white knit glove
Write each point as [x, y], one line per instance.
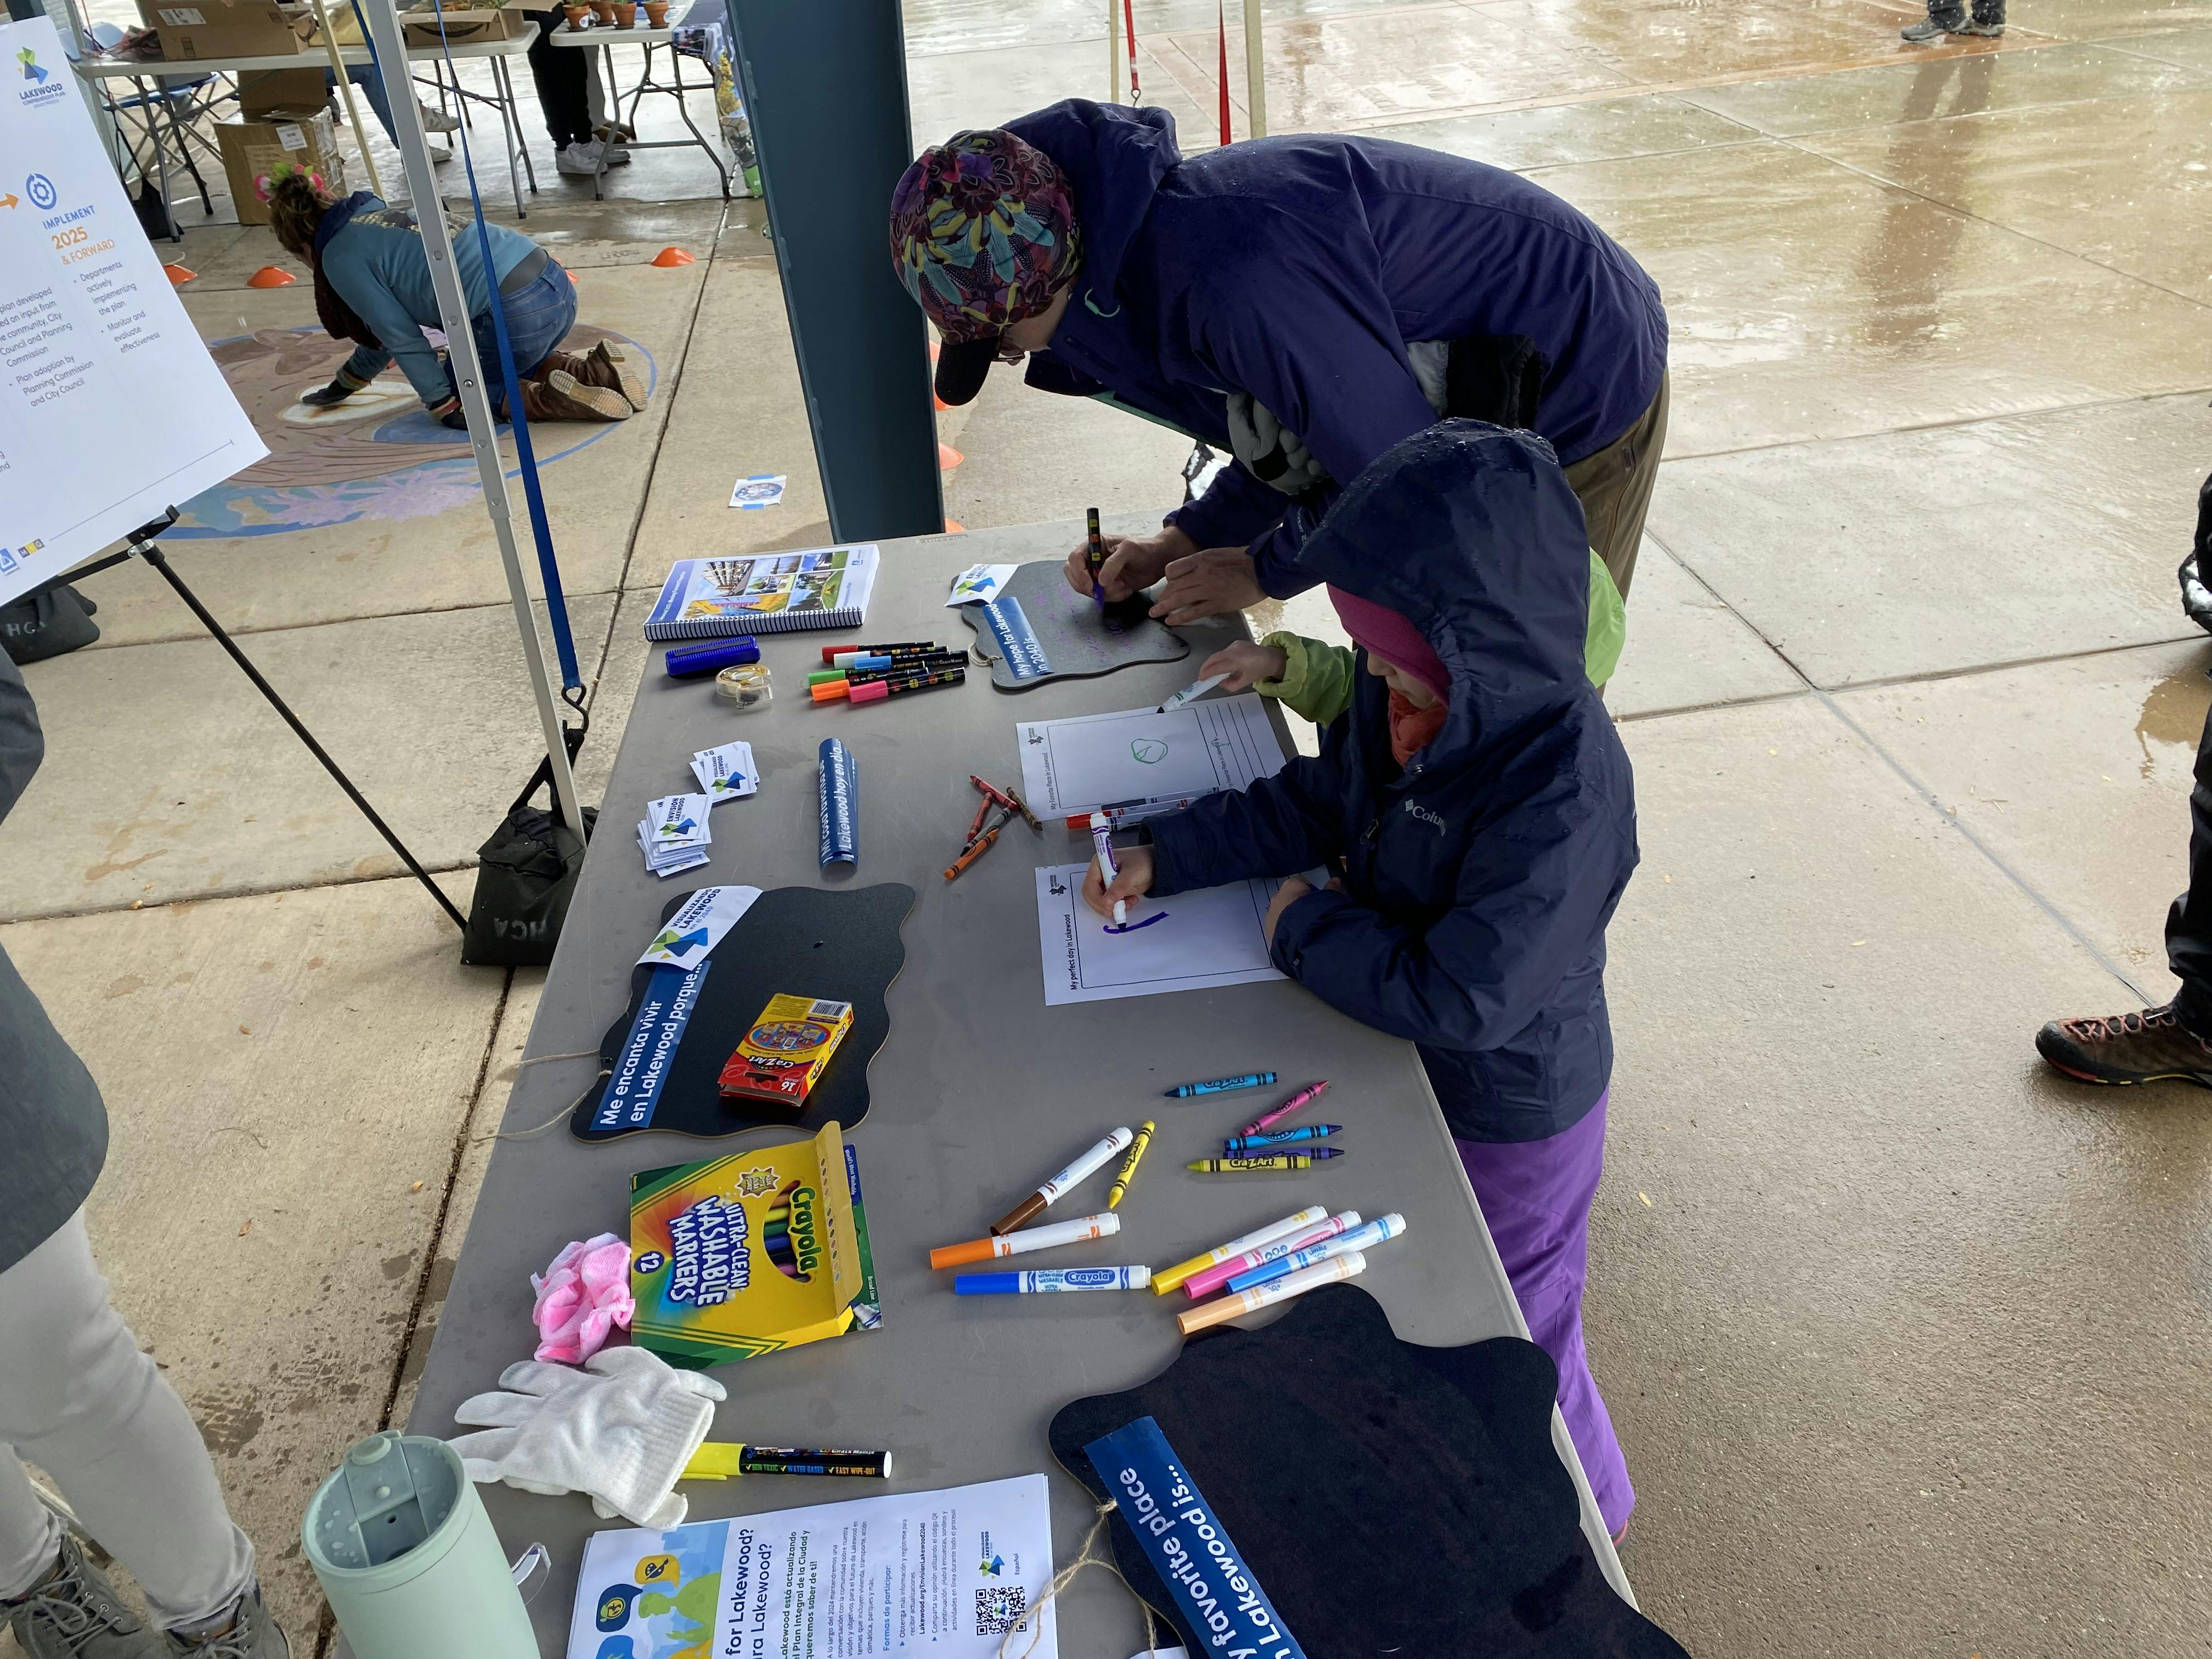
[621, 1430]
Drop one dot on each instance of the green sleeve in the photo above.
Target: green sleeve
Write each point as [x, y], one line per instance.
[1316, 679]
[1609, 624]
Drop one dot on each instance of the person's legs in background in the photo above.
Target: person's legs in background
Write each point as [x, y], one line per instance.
[1944, 17]
[1536, 1198]
[2175, 1041]
[365, 76]
[78, 1398]
[1614, 487]
[561, 80]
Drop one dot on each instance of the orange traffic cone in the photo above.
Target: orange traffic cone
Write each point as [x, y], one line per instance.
[668, 257]
[178, 275]
[954, 527]
[271, 277]
[948, 458]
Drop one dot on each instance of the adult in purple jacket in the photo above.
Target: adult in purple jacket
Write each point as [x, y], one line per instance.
[1303, 303]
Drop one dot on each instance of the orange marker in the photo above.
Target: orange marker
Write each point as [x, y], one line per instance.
[1035, 1238]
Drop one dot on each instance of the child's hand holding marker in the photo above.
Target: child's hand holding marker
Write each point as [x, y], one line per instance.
[1246, 664]
[1132, 882]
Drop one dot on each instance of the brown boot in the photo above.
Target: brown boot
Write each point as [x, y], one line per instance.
[561, 397]
[604, 366]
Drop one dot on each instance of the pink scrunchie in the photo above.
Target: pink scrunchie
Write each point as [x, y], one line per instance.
[580, 1299]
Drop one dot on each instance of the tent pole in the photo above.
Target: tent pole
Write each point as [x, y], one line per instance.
[383, 22]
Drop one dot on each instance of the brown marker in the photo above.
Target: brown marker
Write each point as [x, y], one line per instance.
[1032, 1207]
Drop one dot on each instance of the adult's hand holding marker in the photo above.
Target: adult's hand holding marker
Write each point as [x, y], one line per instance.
[1201, 581]
[1133, 563]
[1132, 882]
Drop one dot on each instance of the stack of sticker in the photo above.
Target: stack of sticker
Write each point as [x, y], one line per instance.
[725, 771]
[673, 834]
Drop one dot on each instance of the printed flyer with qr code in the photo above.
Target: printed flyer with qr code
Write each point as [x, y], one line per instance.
[953, 1571]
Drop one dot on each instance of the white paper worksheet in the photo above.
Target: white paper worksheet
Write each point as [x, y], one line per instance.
[1139, 755]
[1191, 942]
[951, 1573]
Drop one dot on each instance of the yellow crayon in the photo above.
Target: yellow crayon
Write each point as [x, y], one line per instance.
[1252, 1166]
[1129, 1165]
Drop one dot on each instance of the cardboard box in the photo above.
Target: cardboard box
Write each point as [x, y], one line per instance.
[464, 28]
[195, 29]
[252, 149]
[260, 91]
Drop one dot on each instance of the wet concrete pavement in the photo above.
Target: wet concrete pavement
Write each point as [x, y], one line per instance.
[1906, 1340]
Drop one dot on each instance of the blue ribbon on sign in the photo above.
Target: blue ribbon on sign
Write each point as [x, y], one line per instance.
[1202, 1566]
[1017, 641]
[649, 1051]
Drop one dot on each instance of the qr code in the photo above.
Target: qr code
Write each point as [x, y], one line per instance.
[1000, 1608]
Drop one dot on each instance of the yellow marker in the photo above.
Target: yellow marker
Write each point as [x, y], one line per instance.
[1129, 1164]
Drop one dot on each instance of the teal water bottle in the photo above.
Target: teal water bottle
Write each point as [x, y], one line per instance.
[409, 1559]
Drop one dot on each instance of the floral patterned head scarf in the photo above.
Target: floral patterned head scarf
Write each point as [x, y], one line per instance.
[983, 232]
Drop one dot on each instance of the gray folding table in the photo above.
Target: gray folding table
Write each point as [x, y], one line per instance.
[980, 1091]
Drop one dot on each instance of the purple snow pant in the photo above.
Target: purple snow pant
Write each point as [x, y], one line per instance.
[1535, 1196]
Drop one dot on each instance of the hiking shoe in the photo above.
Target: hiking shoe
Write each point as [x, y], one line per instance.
[561, 397]
[1925, 32]
[2149, 1046]
[604, 365]
[74, 1614]
[1975, 25]
[581, 159]
[610, 366]
[253, 1634]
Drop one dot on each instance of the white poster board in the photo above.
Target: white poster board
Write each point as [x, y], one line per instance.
[111, 410]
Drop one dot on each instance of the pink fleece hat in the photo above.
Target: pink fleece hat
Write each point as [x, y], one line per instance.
[1388, 635]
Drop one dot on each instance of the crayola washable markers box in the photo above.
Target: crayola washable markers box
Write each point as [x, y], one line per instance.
[740, 1256]
[785, 1050]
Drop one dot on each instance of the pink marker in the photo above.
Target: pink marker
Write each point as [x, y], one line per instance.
[1210, 1280]
[1304, 1096]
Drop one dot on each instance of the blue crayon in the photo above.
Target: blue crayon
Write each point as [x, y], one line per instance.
[1364, 1237]
[1244, 1146]
[1220, 1085]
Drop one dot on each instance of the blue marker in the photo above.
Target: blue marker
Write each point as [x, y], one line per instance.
[1220, 1085]
[1359, 1238]
[1053, 1278]
[1244, 1146]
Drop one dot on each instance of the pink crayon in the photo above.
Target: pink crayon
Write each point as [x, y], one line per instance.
[1305, 1095]
[1209, 1281]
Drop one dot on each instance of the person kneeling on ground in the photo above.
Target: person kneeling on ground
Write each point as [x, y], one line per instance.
[372, 287]
[1477, 806]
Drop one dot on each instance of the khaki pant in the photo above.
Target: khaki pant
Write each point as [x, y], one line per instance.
[1614, 487]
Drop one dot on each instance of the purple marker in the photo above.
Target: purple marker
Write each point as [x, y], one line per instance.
[1245, 1146]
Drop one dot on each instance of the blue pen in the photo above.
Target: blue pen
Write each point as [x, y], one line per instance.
[1220, 1085]
[1359, 1238]
[1241, 1146]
